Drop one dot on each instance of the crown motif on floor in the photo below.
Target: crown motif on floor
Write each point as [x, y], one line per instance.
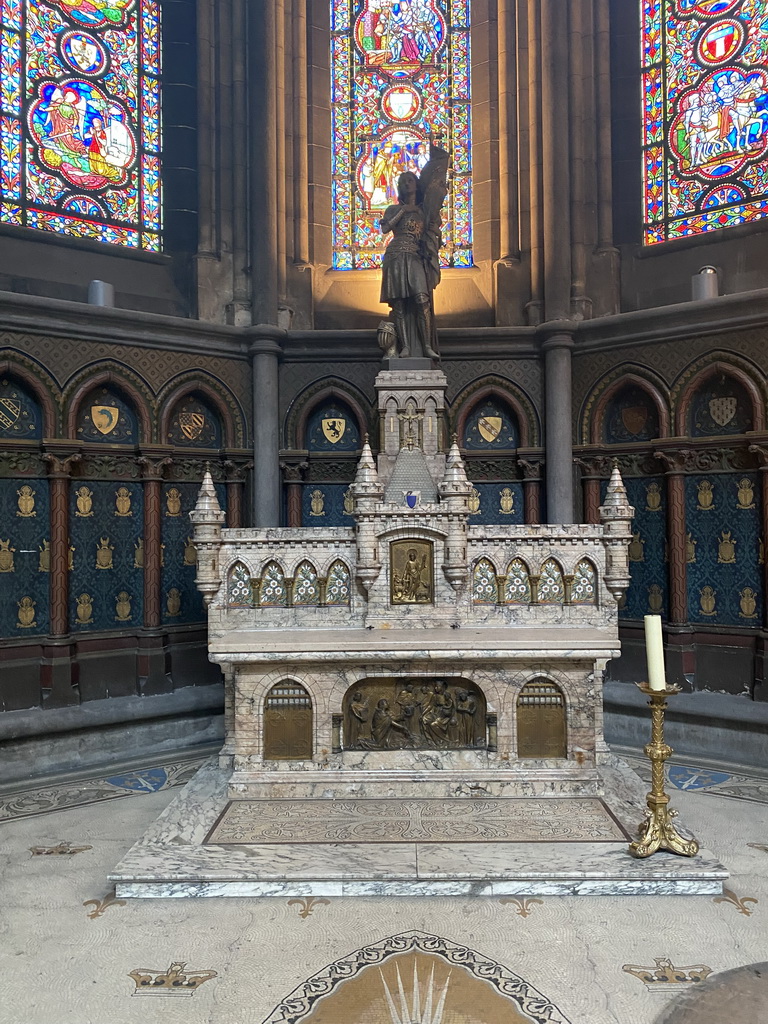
[434, 1003]
[666, 976]
[173, 982]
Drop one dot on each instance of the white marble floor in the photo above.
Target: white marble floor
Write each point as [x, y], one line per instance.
[71, 954]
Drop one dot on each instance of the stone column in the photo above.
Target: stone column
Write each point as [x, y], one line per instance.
[531, 490]
[265, 352]
[235, 487]
[153, 660]
[56, 669]
[293, 465]
[263, 98]
[557, 348]
[593, 470]
[681, 654]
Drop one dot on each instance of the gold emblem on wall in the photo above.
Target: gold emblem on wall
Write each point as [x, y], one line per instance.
[349, 502]
[44, 557]
[705, 495]
[690, 549]
[10, 410]
[138, 554]
[84, 502]
[748, 603]
[506, 501]
[489, 428]
[6, 556]
[123, 607]
[652, 498]
[190, 552]
[636, 548]
[26, 502]
[333, 429]
[173, 502]
[722, 410]
[173, 602]
[105, 418]
[84, 610]
[191, 424]
[104, 554]
[726, 549]
[655, 598]
[410, 564]
[746, 494]
[634, 418]
[26, 613]
[123, 502]
[474, 501]
[71, 558]
[317, 503]
[707, 596]
[162, 556]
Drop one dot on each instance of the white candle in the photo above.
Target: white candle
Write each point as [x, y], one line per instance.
[654, 651]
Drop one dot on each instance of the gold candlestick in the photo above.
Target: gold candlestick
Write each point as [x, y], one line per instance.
[657, 832]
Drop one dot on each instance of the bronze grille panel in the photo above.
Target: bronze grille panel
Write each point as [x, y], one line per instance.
[541, 721]
[288, 723]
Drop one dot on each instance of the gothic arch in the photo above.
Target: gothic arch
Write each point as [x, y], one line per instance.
[127, 380]
[601, 393]
[593, 427]
[699, 372]
[38, 381]
[498, 387]
[220, 397]
[310, 398]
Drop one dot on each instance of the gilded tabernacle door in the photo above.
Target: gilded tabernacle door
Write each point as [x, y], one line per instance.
[419, 714]
[288, 723]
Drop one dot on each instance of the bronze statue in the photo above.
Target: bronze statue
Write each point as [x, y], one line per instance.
[411, 267]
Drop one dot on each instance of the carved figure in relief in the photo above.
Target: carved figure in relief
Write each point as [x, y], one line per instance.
[358, 719]
[438, 717]
[409, 707]
[466, 708]
[382, 727]
[411, 266]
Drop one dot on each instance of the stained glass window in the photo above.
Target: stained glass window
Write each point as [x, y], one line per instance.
[80, 118]
[705, 113]
[400, 73]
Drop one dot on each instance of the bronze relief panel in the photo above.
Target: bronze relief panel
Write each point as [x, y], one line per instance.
[419, 714]
[411, 572]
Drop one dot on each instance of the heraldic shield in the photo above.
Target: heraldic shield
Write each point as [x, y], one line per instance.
[333, 429]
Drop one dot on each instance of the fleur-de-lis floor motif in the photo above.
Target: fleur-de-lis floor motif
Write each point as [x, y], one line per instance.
[740, 902]
[308, 904]
[99, 906]
[523, 905]
[62, 849]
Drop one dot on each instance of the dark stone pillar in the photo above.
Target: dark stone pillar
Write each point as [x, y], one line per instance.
[57, 672]
[531, 491]
[760, 685]
[293, 473]
[593, 470]
[235, 489]
[265, 351]
[681, 653]
[557, 348]
[153, 655]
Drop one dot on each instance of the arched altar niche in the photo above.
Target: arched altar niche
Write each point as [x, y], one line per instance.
[414, 714]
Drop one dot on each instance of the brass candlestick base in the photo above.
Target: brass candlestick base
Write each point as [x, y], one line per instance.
[658, 832]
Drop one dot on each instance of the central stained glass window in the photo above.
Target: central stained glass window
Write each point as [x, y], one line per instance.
[400, 74]
[705, 114]
[80, 118]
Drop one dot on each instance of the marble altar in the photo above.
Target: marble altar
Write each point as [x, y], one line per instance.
[412, 656]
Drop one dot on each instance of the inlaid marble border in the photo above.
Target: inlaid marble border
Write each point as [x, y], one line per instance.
[526, 998]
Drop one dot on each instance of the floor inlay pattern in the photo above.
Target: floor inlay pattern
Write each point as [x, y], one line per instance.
[249, 822]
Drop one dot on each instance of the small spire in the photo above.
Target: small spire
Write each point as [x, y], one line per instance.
[617, 492]
[207, 508]
[366, 478]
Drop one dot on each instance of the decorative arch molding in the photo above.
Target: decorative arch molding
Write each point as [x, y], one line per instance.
[123, 377]
[299, 1005]
[262, 687]
[304, 404]
[507, 391]
[601, 393]
[215, 391]
[701, 370]
[43, 386]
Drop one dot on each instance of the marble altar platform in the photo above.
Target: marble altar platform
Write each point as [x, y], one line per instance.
[173, 859]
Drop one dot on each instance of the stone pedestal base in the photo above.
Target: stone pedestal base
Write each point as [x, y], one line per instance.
[173, 860]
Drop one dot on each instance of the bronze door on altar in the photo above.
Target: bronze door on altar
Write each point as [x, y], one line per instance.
[288, 723]
[541, 721]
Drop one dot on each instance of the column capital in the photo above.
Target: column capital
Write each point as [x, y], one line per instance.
[266, 339]
[675, 460]
[60, 462]
[556, 334]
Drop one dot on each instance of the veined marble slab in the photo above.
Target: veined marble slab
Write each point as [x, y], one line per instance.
[171, 861]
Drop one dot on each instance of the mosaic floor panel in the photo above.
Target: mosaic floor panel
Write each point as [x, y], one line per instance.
[250, 822]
